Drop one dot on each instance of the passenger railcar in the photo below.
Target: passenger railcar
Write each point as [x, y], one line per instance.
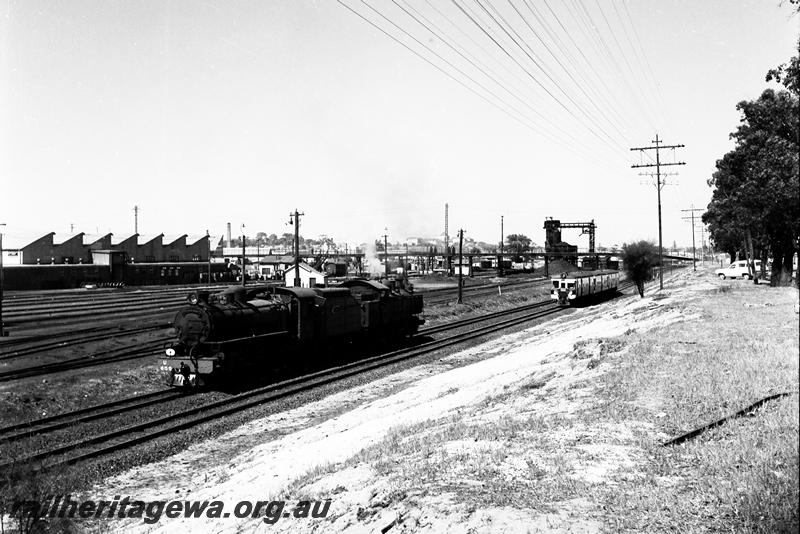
[225, 333]
[568, 287]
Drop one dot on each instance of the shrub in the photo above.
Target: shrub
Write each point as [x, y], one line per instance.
[638, 260]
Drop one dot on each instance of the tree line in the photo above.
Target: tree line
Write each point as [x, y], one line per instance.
[754, 209]
[285, 240]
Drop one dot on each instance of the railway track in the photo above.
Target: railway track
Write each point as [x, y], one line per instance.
[67, 310]
[19, 323]
[480, 290]
[28, 346]
[116, 355]
[99, 358]
[59, 421]
[139, 433]
[91, 413]
[22, 298]
[128, 353]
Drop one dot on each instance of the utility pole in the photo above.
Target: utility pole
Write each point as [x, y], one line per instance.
[460, 264]
[136, 219]
[3, 332]
[294, 218]
[446, 229]
[659, 185]
[500, 257]
[386, 253]
[702, 245]
[243, 255]
[208, 237]
[694, 253]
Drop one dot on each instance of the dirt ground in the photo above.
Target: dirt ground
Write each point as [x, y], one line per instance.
[517, 438]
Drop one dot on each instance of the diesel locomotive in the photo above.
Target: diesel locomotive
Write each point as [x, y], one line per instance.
[221, 334]
[580, 285]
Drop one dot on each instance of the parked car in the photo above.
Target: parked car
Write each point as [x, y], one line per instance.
[737, 269]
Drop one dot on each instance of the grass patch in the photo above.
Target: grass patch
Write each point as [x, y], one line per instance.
[539, 382]
[741, 476]
[511, 298]
[484, 462]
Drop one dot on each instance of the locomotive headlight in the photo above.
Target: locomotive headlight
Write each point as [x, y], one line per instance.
[170, 352]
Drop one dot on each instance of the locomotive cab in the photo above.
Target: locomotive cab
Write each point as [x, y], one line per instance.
[563, 290]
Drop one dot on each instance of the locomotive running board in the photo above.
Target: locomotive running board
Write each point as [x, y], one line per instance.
[251, 338]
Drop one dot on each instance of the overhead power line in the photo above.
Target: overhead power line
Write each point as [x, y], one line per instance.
[556, 54]
[439, 68]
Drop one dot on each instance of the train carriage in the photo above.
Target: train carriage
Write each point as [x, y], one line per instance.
[567, 287]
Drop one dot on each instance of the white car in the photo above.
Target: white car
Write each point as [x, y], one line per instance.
[737, 269]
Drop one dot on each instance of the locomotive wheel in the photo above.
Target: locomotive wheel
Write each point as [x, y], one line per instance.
[721, 276]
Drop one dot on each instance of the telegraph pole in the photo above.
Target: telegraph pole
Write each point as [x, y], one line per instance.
[294, 218]
[386, 253]
[658, 147]
[702, 245]
[500, 257]
[694, 253]
[2, 330]
[460, 264]
[405, 264]
[136, 219]
[446, 229]
[208, 237]
[243, 255]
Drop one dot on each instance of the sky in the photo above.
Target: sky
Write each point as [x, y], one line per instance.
[369, 116]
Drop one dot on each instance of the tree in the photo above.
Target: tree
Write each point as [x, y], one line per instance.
[788, 74]
[286, 239]
[327, 242]
[638, 261]
[755, 203]
[518, 242]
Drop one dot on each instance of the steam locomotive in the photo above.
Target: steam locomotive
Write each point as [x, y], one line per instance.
[219, 334]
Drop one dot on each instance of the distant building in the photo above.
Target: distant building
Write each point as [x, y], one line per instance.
[336, 267]
[22, 250]
[271, 265]
[174, 248]
[68, 248]
[197, 248]
[78, 248]
[309, 277]
[149, 249]
[45, 249]
[127, 243]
